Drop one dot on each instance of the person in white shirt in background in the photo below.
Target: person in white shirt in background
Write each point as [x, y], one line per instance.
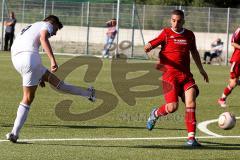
[216, 51]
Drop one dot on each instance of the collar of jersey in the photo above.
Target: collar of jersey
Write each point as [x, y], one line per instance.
[178, 32]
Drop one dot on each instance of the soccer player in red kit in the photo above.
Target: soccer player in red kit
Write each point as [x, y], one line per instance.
[235, 68]
[176, 45]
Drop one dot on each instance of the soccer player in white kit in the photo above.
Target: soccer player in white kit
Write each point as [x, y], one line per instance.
[27, 61]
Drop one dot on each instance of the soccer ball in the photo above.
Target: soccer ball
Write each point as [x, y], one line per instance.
[226, 120]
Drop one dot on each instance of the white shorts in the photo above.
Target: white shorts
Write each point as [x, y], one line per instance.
[29, 65]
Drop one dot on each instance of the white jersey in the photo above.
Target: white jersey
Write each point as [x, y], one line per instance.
[28, 40]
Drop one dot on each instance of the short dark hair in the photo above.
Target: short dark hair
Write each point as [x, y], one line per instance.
[111, 22]
[55, 20]
[178, 12]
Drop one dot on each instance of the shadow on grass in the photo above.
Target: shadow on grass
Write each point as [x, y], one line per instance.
[203, 147]
[221, 144]
[88, 127]
[21, 142]
[234, 106]
[206, 146]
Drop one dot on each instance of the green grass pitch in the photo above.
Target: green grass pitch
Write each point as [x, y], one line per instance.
[123, 122]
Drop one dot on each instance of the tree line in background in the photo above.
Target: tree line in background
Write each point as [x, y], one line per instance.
[195, 3]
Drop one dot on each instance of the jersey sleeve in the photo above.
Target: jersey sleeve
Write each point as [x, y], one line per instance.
[48, 27]
[236, 36]
[158, 40]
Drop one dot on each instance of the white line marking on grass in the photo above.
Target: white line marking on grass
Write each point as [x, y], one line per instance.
[116, 139]
[203, 127]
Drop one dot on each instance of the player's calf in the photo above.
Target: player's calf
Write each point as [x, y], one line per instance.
[156, 113]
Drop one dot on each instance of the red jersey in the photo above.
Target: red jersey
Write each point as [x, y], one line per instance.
[236, 53]
[175, 49]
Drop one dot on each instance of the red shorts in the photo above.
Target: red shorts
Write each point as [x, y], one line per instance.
[235, 70]
[180, 82]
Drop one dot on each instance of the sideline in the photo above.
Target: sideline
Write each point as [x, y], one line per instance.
[117, 139]
[202, 126]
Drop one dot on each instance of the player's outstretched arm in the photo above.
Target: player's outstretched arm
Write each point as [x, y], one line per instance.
[48, 49]
[196, 58]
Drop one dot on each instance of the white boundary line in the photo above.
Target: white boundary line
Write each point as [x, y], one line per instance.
[116, 139]
[203, 127]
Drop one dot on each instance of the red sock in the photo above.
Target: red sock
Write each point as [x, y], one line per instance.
[226, 92]
[161, 111]
[190, 121]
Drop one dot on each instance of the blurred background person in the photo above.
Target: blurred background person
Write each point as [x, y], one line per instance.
[216, 51]
[110, 36]
[9, 31]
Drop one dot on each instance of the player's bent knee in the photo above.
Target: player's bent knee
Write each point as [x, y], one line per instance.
[233, 83]
[172, 107]
[191, 104]
[29, 97]
[51, 78]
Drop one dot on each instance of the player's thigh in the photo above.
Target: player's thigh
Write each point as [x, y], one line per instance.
[170, 88]
[234, 73]
[30, 67]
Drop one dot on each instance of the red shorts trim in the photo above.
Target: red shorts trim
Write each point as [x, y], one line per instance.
[180, 82]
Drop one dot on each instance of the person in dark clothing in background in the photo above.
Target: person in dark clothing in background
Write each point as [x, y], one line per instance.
[9, 31]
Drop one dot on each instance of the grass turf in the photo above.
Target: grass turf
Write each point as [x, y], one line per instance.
[124, 121]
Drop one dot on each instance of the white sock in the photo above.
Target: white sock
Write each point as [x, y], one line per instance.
[22, 114]
[67, 88]
[224, 96]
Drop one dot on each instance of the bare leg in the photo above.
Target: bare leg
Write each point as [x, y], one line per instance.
[227, 91]
[22, 113]
[67, 88]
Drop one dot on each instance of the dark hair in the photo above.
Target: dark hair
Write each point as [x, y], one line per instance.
[178, 12]
[54, 20]
[111, 22]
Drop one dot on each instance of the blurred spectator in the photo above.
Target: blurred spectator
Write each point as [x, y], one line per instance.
[9, 31]
[216, 51]
[110, 36]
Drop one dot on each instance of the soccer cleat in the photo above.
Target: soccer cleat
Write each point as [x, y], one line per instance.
[193, 143]
[152, 120]
[106, 56]
[222, 102]
[11, 137]
[92, 96]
